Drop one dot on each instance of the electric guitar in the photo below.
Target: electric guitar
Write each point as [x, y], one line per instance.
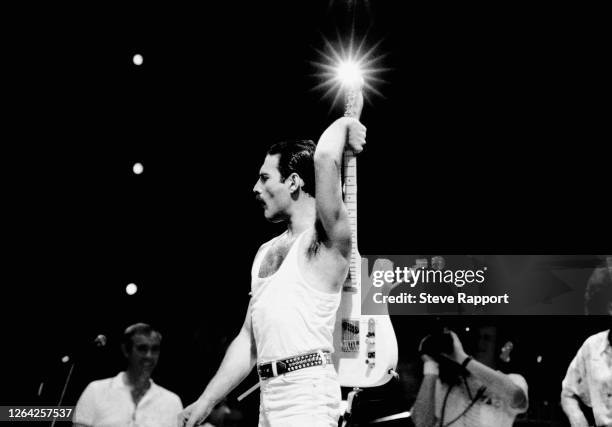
[365, 345]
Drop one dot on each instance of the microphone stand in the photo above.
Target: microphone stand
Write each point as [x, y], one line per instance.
[100, 341]
[61, 399]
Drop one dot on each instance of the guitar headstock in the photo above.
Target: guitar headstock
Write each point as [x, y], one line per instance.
[353, 100]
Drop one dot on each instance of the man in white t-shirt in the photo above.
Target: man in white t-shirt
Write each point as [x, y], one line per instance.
[589, 375]
[131, 398]
[589, 378]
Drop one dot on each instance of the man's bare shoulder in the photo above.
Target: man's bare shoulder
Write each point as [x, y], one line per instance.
[267, 244]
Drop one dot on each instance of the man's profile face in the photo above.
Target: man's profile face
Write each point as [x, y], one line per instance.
[273, 194]
[144, 353]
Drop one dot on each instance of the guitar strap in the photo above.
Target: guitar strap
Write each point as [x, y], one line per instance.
[479, 394]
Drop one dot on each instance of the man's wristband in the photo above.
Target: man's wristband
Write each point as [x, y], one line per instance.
[431, 368]
[466, 361]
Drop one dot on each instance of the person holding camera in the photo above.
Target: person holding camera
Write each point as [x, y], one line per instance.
[460, 391]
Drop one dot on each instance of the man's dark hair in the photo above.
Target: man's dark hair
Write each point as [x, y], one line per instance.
[138, 329]
[598, 294]
[296, 156]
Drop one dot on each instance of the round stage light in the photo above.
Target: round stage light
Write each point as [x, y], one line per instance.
[131, 289]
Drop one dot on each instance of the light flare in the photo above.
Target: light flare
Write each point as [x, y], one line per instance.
[349, 74]
[342, 66]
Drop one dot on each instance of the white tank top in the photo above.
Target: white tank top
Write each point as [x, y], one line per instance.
[288, 316]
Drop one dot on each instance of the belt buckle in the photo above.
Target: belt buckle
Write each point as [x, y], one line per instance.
[278, 367]
[272, 369]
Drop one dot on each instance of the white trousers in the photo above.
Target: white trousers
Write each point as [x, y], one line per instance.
[309, 397]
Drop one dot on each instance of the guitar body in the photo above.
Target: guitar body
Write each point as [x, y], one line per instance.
[365, 345]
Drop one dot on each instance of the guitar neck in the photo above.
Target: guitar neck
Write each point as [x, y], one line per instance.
[366, 347]
[350, 201]
[349, 173]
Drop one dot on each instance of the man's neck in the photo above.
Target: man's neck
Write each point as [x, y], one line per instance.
[302, 216]
[137, 380]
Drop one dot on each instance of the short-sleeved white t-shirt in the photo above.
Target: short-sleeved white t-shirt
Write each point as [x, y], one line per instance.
[109, 403]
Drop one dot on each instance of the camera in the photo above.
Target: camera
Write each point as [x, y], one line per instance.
[440, 341]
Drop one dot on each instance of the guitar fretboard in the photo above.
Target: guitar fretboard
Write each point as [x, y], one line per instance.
[349, 173]
[350, 201]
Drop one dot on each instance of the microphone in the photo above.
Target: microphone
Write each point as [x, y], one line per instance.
[82, 348]
[100, 340]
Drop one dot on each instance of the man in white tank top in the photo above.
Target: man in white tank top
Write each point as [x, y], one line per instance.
[296, 284]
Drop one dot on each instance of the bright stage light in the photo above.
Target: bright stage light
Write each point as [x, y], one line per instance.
[137, 59]
[65, 359]
[131, 289]
[138, 168]
[343, 68]
[349, 73]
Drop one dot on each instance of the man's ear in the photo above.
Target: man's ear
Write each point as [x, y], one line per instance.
[124, 350]
[295, 182]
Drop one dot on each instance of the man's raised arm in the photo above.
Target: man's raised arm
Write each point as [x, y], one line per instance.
[512, 388]
[331, 211]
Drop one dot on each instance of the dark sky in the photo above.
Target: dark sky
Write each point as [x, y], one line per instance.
[488, 138]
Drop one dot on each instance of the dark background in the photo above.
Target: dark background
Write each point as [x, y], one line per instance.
[488, 139]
